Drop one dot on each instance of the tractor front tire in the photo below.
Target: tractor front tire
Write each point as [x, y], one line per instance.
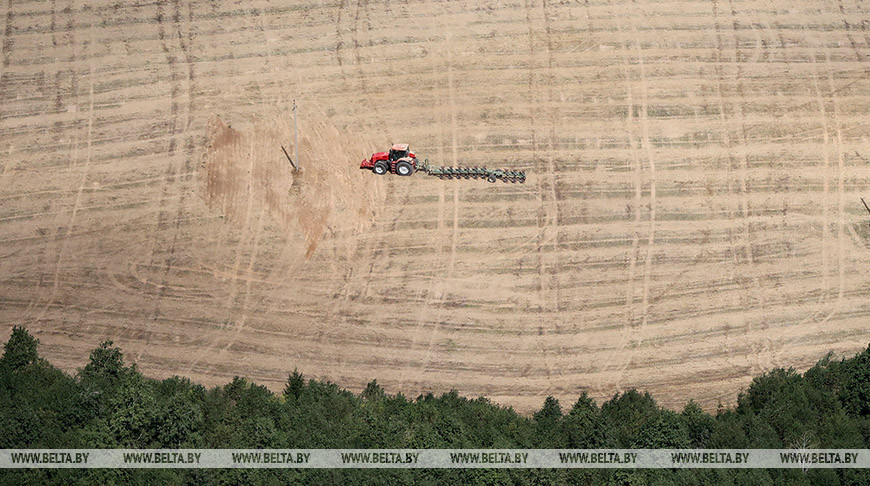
[380, 168]
[404, 168]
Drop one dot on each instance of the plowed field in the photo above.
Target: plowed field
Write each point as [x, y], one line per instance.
[691, 216]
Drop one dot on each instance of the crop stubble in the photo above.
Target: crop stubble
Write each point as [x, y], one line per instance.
[691, 216]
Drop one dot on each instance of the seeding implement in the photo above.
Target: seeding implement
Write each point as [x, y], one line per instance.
[400, 160]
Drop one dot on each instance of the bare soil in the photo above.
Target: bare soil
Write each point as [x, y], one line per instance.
[691, 216]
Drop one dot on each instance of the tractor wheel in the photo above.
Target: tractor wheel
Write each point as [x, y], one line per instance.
[404, 168]
[380, 168]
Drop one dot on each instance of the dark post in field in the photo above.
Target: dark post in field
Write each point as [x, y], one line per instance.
[288, 158]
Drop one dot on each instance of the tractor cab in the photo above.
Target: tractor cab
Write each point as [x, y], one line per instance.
[399, 160]
[399, 151]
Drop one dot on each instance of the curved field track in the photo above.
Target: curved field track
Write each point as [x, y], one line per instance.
[691, 216]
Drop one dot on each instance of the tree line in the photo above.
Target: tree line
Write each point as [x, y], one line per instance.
[110, 404]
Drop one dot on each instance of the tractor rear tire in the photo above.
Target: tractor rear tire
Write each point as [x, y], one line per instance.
[380, 168]
[404, 168]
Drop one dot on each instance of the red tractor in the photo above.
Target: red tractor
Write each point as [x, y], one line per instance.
[399, 160]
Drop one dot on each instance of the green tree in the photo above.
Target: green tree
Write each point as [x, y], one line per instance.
[180, 418]
[20, 351]
[106, 364]
[583, 424]
[665, 431]
[133, 412]
[623, 417]
[373, 391]
[855, 391]
[295, 384]
[550, 413]
[699, 425]
[548, 424]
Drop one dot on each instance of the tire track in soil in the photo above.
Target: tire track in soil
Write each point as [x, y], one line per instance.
[436, 293]
[841, 209]
[5, 56]
[6, 166]
[541, 216]
[372, 249]
[764, 352]
[813, 317]
[281, 271]
[635, 339]
[56, 132]
[62, 241]
[647, 149]
[638, 199]
[854, 45]
[826, 168]
[240, 322]
[231, 308]
[353, 284]
[729, 339]
[173, 170]
[240, 313]
[622, 358]
[286, 253]
[380, 248]
[222, 238]
[553, 215]
[553, 270]
[339, 43]
[437, 296]
[183, 176]
[225, 235]
[741, 113]
[362, 77]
